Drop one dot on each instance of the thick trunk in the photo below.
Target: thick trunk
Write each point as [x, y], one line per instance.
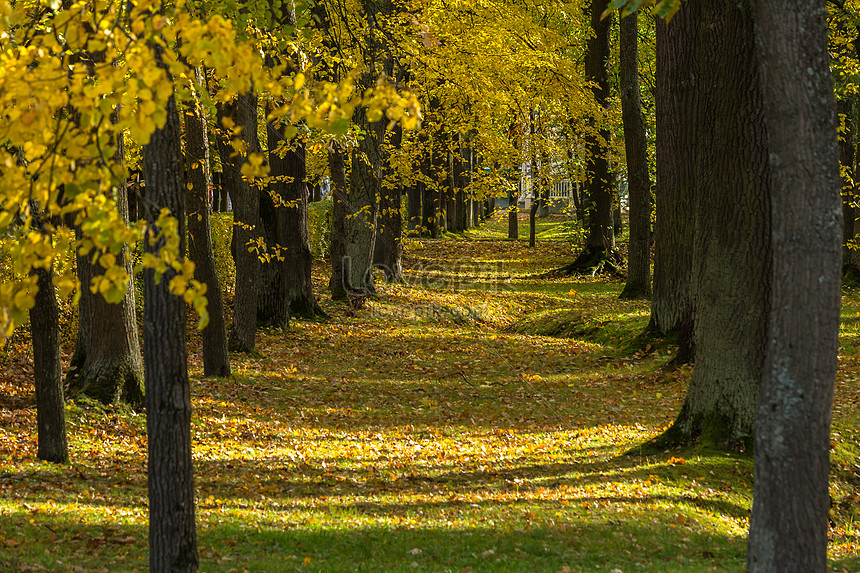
[337, 167]
[732, 237]
[789, 524]
[215, 359]
[172, 533]
[47, 372]
[600, 238]
[285, 287]
[678, 139]
[638, 283]
[106, 364]
[365, 187]
[246, 208]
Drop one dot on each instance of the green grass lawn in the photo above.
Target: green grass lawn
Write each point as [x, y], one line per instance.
[479, 417]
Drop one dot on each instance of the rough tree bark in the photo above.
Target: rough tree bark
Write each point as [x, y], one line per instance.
[732, 237]
[172, 532]
[106, 364]
[789, 524]
[388, 251]
[337, 167]
[215, 359]
[678, 100]
[246, 209]
[638, 283]
[47, 371]
[600, 240]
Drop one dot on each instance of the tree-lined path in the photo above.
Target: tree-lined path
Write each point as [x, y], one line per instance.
[476, 418]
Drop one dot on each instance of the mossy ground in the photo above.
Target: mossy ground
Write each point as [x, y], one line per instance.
[476, 418]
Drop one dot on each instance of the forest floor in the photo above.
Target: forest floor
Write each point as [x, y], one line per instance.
[478, 417]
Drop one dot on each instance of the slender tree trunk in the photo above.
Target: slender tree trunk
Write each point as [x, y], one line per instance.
[172, 532]
[678, 101]
[638, 283]
[845, 109]
[215, 359]
[732, 240]
[788, 528]
[388, 252]
[246, 210]
[47, 371]
[601, 239]
[106, 364]
[338, 283]
[414, 194]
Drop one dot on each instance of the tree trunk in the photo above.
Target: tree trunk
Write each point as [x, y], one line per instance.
[789, 524]
[285, 281]
[732, 238]
[172, 533]
[677, 102]
[600, 239]
[106, 364]
[388, 253]
[365, 186]
[513, 210]
[246, 210]
[338, 283]
[47, 371]
[414, 193]
[638, 283]
[845, 109]
[215, 359]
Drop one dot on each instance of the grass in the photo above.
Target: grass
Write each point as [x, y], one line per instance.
[475, 418]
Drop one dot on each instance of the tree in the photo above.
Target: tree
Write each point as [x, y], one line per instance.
[172, 531]
[732, 233]
[216, 362]
[788, 528]
[677, 101]
[600, 240]
[246, 209]
[107, 364]
[638, 283]
[47, 371]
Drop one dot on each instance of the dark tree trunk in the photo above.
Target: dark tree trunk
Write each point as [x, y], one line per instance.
[316, 193]
[246, 209]
[172, 532]
[638, 283]
[337, 167]
[513, 211]
[414, 193]
[365, 186]
[106, 364]
[47, 371]
[600, 241]
[845, 109]
[677, 103]
[388, 253]
[285, 287]
[789, 524]
[215, 359]
[732, 239]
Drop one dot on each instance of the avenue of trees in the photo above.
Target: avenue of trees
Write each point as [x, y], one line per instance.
[721, 116]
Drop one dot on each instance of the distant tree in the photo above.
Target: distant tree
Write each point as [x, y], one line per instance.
[107, 364]
[216, 362]
[638, 283]
[47, 371]
[789, 523]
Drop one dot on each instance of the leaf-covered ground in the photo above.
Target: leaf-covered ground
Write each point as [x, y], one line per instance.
[477, 418]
